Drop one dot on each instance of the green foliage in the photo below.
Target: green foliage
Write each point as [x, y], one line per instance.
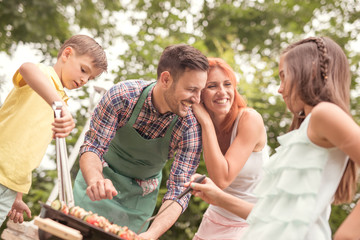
[50, 23]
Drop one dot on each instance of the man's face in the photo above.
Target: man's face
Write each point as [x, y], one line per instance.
[185, 91]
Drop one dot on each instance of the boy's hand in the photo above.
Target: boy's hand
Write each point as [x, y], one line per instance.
[63, 126]
[17, 211]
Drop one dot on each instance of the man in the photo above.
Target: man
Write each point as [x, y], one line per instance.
[136, 127]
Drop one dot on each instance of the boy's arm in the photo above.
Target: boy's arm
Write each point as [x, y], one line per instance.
[37, 80]
[18, 208]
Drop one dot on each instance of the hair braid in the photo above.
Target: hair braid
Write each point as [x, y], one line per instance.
[319, 72]
[323, 57]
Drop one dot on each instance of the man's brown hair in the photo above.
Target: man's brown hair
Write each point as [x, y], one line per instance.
[179, 58]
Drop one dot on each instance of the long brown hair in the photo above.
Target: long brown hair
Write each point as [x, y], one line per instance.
[239, 101]
[320, 72]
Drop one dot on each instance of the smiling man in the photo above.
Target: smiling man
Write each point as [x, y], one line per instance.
[136, 127]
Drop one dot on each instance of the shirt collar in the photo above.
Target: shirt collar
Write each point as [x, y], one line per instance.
[149, 105]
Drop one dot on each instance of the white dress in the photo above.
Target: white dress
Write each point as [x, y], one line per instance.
[219, 223]
[297, 189]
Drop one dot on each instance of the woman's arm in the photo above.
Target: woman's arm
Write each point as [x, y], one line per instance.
[330, 126]
[223, 169]
[210, 193]
[349, 229]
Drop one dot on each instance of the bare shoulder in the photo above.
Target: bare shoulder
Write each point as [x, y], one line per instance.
[250, 120]
[331, 126]
[251, 116]
[327, 122]
[326, 111]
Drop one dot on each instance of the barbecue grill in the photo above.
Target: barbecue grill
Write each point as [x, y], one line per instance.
[88, 231]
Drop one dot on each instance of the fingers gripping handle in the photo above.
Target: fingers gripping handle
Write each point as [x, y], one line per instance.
[188, 189]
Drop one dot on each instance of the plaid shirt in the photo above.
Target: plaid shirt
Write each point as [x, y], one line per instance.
[114, 111]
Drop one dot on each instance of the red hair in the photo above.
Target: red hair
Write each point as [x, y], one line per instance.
[239, 101]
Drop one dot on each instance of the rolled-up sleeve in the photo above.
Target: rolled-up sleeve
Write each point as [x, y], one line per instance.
[186, 161]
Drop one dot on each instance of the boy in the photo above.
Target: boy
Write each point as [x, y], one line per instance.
[26, 116]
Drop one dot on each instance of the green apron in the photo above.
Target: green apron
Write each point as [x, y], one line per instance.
[131, 158]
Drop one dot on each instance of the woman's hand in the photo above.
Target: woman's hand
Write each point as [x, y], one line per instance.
[206, 190]
[201, 113]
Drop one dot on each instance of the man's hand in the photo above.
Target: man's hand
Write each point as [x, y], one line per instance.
[101, 189]
[63, 126]
[17, 211]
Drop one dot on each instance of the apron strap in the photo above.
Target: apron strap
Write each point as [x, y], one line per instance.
[140, 103]
[170, 129]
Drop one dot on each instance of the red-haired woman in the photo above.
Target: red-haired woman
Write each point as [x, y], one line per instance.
[234, 148]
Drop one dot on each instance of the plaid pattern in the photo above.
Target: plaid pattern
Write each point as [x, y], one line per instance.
[114, 111]
[148, 186]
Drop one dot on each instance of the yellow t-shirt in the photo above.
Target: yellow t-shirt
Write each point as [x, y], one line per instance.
[25, 131]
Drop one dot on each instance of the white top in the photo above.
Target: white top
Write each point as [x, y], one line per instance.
[244, 183]
[297, 190]
[333, 172]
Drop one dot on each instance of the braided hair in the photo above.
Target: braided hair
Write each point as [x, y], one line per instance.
[320, 72]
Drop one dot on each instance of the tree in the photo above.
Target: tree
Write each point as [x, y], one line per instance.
[50, 23]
